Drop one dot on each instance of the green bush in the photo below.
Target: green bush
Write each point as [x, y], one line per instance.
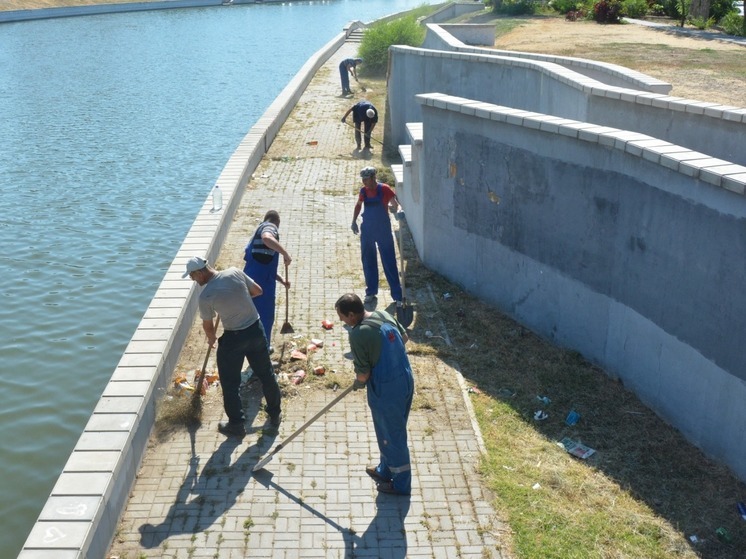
[374, 47]
[515, 7]
[721, 8]
[732, 24]
[636, 9]
[702, 23]
[564, 6]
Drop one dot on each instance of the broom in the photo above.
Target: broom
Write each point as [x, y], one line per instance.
[197, 396]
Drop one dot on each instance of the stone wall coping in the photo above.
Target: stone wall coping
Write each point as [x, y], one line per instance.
[711, 170]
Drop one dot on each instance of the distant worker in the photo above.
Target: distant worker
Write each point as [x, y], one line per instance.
[346, 67]
[375, 230]
[381, 364]
[363, 113]
[228, 293]
[262, 257]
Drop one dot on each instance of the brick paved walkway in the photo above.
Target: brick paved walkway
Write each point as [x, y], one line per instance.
[196, 495]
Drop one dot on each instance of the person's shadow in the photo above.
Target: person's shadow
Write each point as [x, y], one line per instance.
[207, 493]
[387, 525]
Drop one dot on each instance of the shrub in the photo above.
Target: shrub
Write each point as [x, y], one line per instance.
[607, 11]
[514, 7]
[721, 8]
[732, 24]
[702, 23]
[374, 47]
[636, 9]
[564, 6]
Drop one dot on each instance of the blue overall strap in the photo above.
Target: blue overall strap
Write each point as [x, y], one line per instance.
[257, 248]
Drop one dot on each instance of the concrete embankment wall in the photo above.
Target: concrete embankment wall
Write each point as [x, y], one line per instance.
[80, 517]
[452, 10]
[548, 88]
[624, 247]
[458, 38]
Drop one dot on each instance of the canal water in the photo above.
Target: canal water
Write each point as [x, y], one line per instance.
[113, 129]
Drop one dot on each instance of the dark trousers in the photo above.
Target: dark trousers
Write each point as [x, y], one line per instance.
[367, 125]
[233, 347]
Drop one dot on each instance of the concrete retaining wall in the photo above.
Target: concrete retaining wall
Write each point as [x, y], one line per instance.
[439, 37]
[452, 11]
[549, 88]
[627, 248]
[471, 33]
[80, 517]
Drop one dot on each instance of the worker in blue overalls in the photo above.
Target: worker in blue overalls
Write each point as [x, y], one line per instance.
[381, 364]
[376, 231]
[262, 257]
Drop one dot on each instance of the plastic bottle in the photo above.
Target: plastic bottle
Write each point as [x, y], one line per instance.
[217, 199]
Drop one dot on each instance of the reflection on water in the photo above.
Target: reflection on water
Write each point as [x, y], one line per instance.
[113, 129]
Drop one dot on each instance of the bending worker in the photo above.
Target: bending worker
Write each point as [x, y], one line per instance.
[228, 293]
[381, 364]
[262, 257]
[346, 67]
[376, 230]
[363, 113]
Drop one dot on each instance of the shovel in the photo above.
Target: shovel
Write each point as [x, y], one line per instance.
[286, 328]
[404, 313]
[267, 459]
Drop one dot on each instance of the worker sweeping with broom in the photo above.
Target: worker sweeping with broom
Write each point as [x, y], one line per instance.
[229, 293]
[381, 364]
[262, 258]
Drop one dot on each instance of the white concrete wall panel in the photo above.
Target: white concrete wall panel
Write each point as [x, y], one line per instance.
[634, 263]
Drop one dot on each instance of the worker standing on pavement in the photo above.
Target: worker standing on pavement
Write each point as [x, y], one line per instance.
[262, 255]
[381, 364]
[375, 230]
[228, 293]
[346, 67]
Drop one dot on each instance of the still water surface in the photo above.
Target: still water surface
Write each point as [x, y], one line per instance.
[113, 128]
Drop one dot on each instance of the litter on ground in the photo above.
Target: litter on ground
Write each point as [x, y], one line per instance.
[576, 449]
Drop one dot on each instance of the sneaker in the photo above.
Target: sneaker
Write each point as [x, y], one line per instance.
[230, 429]
[388, 487]
[271, 349]
[275, 420]
[372, 472]
[369, 299]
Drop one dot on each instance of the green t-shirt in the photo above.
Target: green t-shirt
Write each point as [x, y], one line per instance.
[365, 340]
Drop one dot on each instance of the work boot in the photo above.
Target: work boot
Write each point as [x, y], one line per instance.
[388, 487]
[372, 472]
[230, 429]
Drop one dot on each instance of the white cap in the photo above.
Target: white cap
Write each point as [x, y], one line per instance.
[193, 264]
[371, 113]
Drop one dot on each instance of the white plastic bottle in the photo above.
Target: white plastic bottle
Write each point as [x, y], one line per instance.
[217, 199]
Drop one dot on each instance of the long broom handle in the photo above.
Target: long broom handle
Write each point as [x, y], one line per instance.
[287, 292]
[198, 388]
[364, 134]
[314, 418]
